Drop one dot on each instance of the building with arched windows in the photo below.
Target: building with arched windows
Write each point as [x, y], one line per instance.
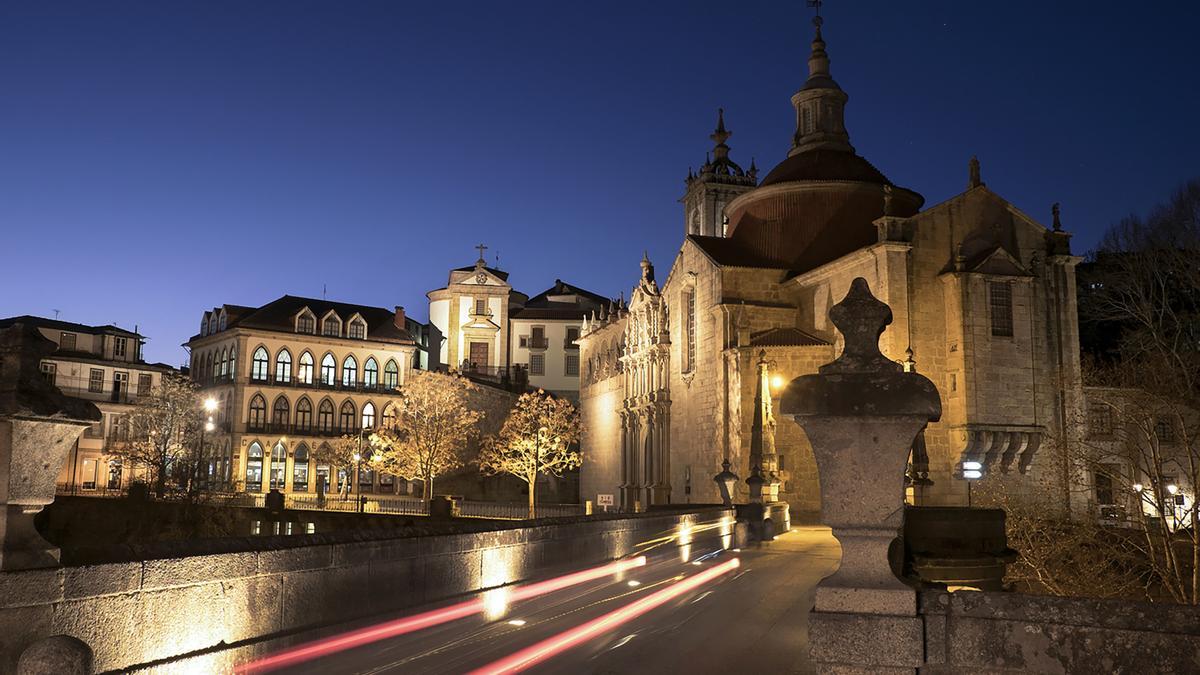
[297, 373]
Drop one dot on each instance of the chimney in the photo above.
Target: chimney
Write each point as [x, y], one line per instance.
[399, 320]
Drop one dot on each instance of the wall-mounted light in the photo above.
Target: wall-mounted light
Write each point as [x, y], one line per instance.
[777, 382]
[1173, 488]
[971, 470]
[1138, 487]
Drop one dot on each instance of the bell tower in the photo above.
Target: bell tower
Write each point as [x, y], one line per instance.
[719, 181]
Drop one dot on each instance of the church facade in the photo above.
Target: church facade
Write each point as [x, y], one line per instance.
[983, 303]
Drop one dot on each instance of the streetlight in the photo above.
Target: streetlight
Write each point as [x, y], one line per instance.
[210, 406]
[725, 482]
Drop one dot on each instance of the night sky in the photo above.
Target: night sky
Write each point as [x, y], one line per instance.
[160, 158]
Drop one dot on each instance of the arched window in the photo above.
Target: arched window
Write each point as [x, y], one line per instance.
[300, 469]
[221, 321]
[391, 375]
[258, 413]
[328, 370]
[204, 325]
[331, 327]
[370, 373]
[368, 416]
[304, 373]
[346, 421]
[389, 416]
[278, 466]
[258, 367]
[280, 413]
[307, 323]
[254, 459]
[323, 470]
[233, 361]
[349, 372]
[358, 330]
[224, 370]
[283, 367]
[303, 414]
[325, 417]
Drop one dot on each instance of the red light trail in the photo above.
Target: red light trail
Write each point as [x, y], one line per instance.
[362, 636]
[518, 661]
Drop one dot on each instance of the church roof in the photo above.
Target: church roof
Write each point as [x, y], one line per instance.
[785, 337]
[823, 164]
[731, 253]
[279, 315]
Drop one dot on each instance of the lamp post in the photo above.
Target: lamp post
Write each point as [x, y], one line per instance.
[209, 406]
[725, 482]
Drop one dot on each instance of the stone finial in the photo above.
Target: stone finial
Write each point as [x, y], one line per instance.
[887, 200]
[1054, 213]
[861, 318]
[23, 388]
[973, 171]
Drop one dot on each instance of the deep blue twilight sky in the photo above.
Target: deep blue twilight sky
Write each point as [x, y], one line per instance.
[158, 158]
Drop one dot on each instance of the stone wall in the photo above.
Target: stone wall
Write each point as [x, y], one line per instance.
[136, 612]
[1012, 633]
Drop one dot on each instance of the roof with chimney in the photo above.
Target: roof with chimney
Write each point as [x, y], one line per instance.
[280, 315]
[42, 322]
[561, 301]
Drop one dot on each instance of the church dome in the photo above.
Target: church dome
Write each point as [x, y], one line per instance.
[820, 203]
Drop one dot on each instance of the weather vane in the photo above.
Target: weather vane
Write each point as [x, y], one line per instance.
[816, 5]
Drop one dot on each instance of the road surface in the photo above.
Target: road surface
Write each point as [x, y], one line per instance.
[749, 618]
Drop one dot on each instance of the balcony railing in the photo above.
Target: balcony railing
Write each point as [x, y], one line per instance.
[272, 381]
[299, 430]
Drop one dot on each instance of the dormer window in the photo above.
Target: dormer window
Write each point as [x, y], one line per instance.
[212, 323]
[222, 321]
[331, 326]
[306, 323]
[204, 324]
[358, 329]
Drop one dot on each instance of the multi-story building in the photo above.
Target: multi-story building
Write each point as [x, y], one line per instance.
[102, 364]
[292, 375]
[496, 331]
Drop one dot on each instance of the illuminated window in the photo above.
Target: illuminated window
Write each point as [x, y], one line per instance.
[254, 462]
[283, 367]
[233, 361]
[278, 467]
[368, 416]
[258, 365]
[349, 372]
[304, 373]
[300, 469]
[370, 373]
[389, 416]
[391, 375]
[303, 415]
[328, 370]
[1000, 299]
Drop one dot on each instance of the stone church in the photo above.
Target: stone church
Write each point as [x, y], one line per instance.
[688, 373]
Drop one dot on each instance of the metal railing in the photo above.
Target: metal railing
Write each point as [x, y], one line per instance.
[300, 430]
[515, 510]
[271, 380]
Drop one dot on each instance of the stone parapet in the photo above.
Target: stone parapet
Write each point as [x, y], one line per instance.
[132, 613]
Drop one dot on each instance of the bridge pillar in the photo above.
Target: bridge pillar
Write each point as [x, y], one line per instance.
[861, 413]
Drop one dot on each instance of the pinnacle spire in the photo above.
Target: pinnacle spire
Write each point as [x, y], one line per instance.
[820, 103]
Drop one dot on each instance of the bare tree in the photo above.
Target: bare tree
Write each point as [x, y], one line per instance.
[538, 438]
[164, 430]
[1140, 297]
[339, 453]
[432, 427]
